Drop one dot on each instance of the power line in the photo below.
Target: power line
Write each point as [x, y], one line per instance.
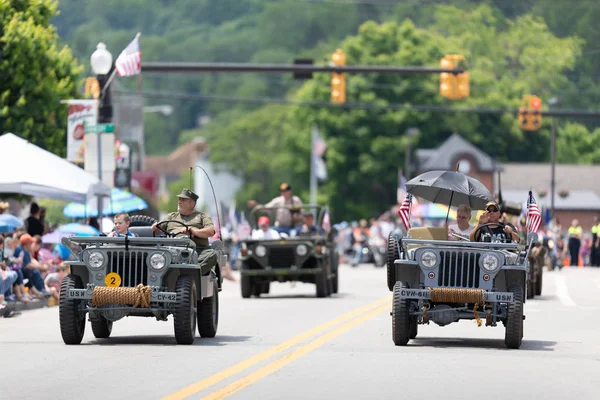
[360, 106]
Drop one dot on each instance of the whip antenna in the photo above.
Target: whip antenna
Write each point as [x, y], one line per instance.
[214, 196]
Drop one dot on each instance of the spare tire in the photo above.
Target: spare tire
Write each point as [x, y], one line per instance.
[142, 220]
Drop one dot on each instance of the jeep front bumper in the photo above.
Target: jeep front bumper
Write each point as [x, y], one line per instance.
[424, 294]
[155, 296]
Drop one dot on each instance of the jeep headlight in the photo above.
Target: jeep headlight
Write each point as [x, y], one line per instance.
[301, 250]
[429, 259]
[490, 262]
[158, 261]
[96, 260]
[260, 251]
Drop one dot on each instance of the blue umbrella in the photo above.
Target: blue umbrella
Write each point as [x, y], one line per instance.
[8, 223]
[120, 201]
[79, 229]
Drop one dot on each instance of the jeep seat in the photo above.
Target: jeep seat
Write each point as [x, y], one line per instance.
[426, 233]
[141, 231]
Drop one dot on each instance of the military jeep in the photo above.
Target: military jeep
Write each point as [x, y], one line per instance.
[144, 276]
[298, 257]
[434, 279]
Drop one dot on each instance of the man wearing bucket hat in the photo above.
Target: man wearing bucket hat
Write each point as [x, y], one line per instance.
[200, 227]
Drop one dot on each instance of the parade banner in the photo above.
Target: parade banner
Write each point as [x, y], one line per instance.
[81, 113]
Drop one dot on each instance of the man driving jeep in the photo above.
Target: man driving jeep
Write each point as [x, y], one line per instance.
[200, 227]
[493, 231]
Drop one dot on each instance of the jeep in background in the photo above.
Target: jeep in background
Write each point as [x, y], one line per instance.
[143, 276]
[299, 257]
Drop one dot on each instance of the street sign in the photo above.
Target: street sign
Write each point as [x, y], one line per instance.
[100, 128]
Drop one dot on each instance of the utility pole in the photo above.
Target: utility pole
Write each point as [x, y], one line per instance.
[553, 101]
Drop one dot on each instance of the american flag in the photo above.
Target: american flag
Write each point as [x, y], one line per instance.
[129, 61]
[326, 224]
[405, 210]
[534, 218]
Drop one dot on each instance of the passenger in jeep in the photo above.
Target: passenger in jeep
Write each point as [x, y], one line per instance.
[493, 233]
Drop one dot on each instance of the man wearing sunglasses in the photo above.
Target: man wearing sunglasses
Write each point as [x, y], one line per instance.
[492, 231]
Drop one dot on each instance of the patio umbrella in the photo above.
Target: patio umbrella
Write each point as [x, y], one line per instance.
[451, 188]
[8, 223]
[120, 201]
[79, 229]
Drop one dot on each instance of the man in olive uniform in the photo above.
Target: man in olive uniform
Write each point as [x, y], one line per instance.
[200, 227]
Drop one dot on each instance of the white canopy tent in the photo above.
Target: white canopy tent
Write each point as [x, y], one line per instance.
[31, 170]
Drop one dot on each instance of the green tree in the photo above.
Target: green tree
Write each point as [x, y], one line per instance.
[506, 59]
[36, 73]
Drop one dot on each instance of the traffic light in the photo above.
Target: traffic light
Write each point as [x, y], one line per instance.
[338, 80]
[453, 86]
[92, 87]
[530, 113]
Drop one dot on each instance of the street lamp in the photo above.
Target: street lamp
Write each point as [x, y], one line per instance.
[102, 62]
[552, 102]
[410, 133]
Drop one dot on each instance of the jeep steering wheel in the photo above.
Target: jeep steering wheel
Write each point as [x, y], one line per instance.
[169, 234]
[500, 224]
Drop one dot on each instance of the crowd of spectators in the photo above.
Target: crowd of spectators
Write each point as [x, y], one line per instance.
[30, 270]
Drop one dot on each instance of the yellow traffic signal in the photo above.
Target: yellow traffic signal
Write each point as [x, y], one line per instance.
[452, 86]
[530, 113]
[92, 87]
[338, 80]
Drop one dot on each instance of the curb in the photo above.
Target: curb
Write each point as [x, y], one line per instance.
[33, 305]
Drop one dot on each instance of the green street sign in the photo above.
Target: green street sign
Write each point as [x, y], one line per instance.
[100, 128]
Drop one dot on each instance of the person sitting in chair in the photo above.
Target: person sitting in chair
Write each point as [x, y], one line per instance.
[491, 231]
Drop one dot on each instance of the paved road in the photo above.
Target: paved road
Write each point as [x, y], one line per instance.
[291, 345]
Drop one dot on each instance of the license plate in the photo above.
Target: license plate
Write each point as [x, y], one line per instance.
[166, 297]
[76, 293]
[414, 294]
[499, 297]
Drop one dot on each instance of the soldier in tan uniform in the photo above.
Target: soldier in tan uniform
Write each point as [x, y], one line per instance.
[290, 214]
[200, 227]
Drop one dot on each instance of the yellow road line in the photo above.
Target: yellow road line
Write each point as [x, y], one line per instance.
[288, 358]
[237, 368]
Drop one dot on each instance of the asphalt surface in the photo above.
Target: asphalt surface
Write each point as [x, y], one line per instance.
[291, 345]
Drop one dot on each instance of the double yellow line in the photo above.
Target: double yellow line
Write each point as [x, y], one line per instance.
[355, 317]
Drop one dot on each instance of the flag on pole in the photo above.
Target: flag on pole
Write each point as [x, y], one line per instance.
[129, 61]
[244, 230]
[401, 186]
[318, 149]
[326, 224]
[405, 210]
[233, 221]
[534, 218]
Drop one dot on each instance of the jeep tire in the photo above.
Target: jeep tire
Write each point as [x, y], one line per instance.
[70, 315]
[322, 282]
[184, 317]
[208, 314]
[513, 335]
[246, 286]
[142, 220]
[414, 328]
[400, 317]
[538, 282]
[101, 327]
[392, 255]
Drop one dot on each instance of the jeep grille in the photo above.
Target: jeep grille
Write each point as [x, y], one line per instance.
[459, 269]
[131, 267]
[282, 257]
